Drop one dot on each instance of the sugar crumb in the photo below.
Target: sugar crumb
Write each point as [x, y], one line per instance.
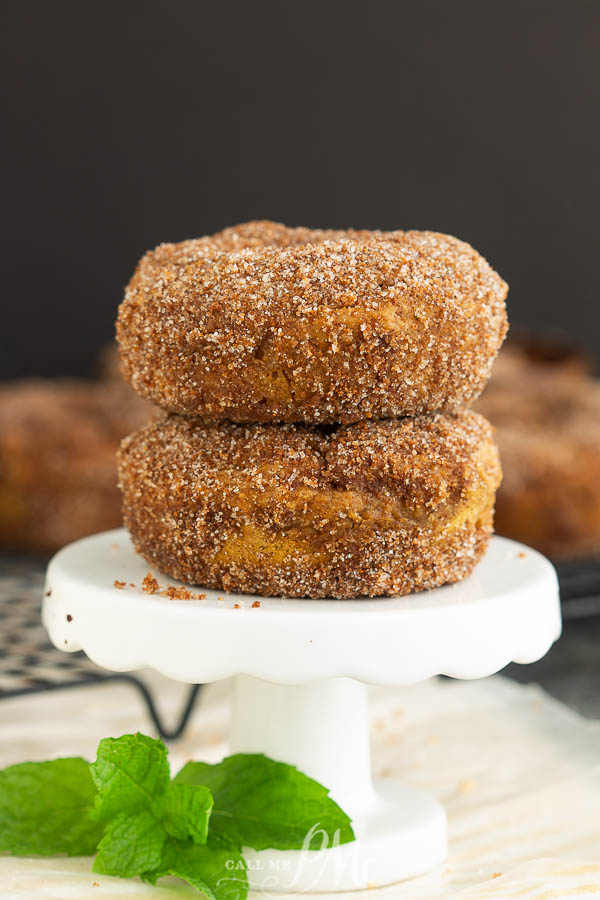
[176, 593]
[149, 583]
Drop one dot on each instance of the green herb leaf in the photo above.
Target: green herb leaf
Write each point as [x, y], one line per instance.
[45, 808]
[131, 773]
[187, 812]
[263, 804]
[132, 845]
[217, 868]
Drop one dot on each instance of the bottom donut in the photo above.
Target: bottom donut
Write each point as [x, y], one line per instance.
[369, 509]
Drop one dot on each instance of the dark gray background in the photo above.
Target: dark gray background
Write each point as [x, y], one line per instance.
[129, 123]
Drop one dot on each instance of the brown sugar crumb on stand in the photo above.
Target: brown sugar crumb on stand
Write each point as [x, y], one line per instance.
[149, 584]
[177, 593]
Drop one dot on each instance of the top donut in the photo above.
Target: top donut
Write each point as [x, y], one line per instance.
[263, 323]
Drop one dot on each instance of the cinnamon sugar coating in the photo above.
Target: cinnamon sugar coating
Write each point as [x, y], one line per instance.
[547, 420]
[263, 323]
[58, 474]
[368, 509]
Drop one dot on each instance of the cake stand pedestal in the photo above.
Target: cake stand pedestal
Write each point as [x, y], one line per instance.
[301, 670]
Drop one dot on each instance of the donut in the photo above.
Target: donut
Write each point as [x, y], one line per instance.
[367, 509]
[546, 412]
[526, 351]
[263, 323]
[58, 472]
[108, 363]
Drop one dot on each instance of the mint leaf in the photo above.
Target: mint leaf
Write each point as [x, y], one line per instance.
[217, 868]
[263, 804]
[45, 808]
[131, 773]
[187, 811]
[132, 844]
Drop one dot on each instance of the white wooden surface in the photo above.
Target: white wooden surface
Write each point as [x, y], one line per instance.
[518, 773]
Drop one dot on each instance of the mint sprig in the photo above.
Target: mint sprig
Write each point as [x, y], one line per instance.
[142, 823]
[152, 824]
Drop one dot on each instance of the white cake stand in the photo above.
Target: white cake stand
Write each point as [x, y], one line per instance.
[302, 667]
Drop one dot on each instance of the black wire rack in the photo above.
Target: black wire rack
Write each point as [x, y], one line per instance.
[579, 588]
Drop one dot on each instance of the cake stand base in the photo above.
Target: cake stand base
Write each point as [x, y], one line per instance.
[322, 728]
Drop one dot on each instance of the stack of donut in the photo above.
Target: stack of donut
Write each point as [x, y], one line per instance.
[316, 439]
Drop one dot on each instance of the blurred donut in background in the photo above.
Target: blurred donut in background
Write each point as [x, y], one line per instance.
[58, 472]
[545, 406]
[108, 363]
